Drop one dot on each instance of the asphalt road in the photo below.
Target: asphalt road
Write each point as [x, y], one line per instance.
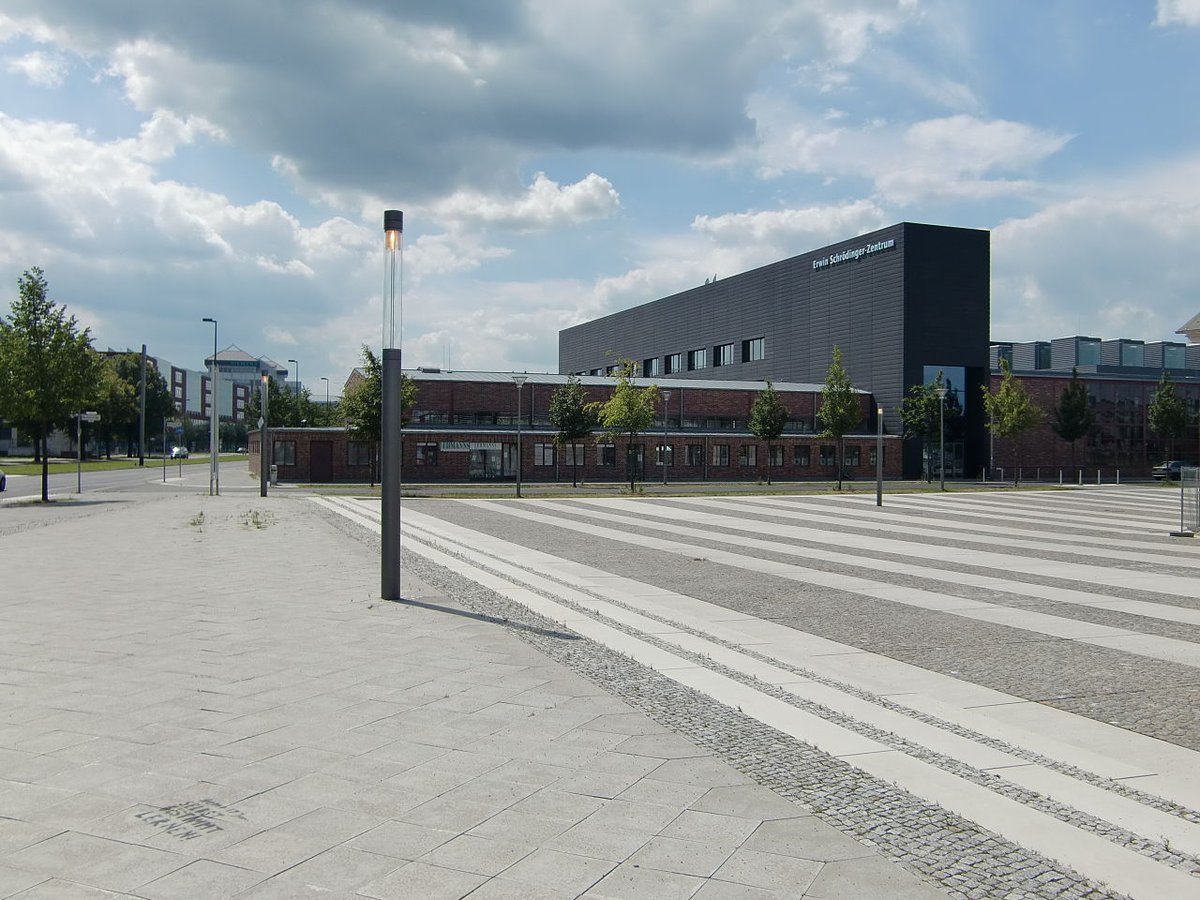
[65, 481]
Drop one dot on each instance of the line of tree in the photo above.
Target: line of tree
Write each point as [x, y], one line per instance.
[627, 413]
[925, 415]
[1073, 415]
[840, 410]
[1167, 413]
[1011, 412]
[768, 419]
[362, 407]
[573, 418]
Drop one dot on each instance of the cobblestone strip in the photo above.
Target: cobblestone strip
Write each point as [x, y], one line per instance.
[964, 859]
[1157, 850]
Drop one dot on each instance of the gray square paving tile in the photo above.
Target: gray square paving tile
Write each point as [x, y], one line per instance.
[870, 877]
[701, 770]
[501, 888]
[681, 856]
[629, 882]
[725, 890]
[381, 801]
[524, 771]
[13, 880]
[523, 828]
[16, 833]
[592, 783]
[336, 825]
[750, 801]
[556, 804]
[418, 881]
[343, 869]
[806, 837]
[478, 855]
[452, 815]
[401, 840]
[603, 840]
[270, 852]
[769, 871]
[202, 878]
[710, 828]
[665, 793]
[100, 862]
[56, 889]
[558, 870]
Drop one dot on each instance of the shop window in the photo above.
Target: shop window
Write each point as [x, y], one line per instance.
[754, 349]
[427, 454]
[543, 454]
[358, 453]
[828, 454]
[801, 457]
[748, 455]
[720, 454]
[723, 355]
[284, 453]
[697, 359]
[775, 455]
[695, 454]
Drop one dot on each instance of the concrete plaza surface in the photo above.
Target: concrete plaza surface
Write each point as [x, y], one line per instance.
[202, 697]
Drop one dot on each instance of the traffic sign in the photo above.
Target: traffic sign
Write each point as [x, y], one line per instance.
[90, 416]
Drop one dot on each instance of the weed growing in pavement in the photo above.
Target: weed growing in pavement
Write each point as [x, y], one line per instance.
[255, 519]
[197, 521]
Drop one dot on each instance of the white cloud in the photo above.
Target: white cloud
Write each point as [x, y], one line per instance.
[42, 69]
[546, 204]
[1178, 12]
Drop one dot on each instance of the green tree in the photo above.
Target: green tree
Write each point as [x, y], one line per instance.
[115, 399]
[840, 410]
[47, 367]
[362, 407]
[118, 400]
[573, 419]
[922, 414]
[1073, 416]
[1167, 413]
[768, 418]
[627, 413]
[1010, 411]
[283, 408]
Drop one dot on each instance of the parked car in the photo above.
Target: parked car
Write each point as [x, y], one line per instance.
[179, 453]
[3, 480]
[1170, 470]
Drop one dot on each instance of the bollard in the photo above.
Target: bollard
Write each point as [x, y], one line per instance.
[1118, 476]
[1097, 476]
[1081, 477]
[1060, 476]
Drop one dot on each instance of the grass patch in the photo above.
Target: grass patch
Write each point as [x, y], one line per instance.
[59, 466]
[255, 519]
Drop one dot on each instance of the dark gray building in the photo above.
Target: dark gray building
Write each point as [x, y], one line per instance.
[902, 303]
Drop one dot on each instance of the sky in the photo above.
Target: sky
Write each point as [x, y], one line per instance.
[558, 160]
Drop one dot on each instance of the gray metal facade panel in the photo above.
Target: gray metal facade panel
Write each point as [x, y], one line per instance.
[925, 300]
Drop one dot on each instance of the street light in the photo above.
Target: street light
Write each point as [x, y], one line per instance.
[297, 362]
[879, 456]
[940, 390]
[390, 414]
[519, 380]
[666, 396]
[214, 462]
[326, 380]
[264, 443]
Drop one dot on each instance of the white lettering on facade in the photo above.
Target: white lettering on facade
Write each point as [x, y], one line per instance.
[850, 255]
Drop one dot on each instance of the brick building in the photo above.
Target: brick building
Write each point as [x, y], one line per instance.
[463, 427]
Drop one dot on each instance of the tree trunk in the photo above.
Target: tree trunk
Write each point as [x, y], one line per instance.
[574, 466]
[768, 462]
[45, 465]
[840, 457]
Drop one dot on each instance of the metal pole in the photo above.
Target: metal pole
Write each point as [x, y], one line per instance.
[941, 392]
[390, 474]
[78, 453]
[214, 477]
[879, 456]
[519, 381]
[164, 450]
[142, 412]
[666, 410]
[264, 445]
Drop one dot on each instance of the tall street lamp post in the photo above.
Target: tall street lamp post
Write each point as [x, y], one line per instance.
[666, 397]
[214, 462]
[519, 380]
[264, 440]
[390, 413]
[941, 393]
[326, 380]
[879, 456]
[297, 382]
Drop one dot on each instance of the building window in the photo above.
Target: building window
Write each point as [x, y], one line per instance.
[747, 455]
[651, 367]
[754, 349]
[606, 454]
[667, 451]
[358, 453]
[285, 453]
[873, 457]
[720, 456]
[695, 454]
[427, 454]
[775, 455]
[576, 450]
[543, 454]
[723, 355]
[801, 457]
[674, 363]
[853, 457]
[697, 359]
[828, 454]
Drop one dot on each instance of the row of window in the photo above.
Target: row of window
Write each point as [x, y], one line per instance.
[606, 455]
[753, 349]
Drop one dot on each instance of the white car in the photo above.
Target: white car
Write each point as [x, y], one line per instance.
[179, 453]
